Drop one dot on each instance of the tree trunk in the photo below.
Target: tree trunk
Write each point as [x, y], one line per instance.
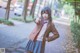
[33, 8]
[25, 9]
[7, 10]
[40, 2]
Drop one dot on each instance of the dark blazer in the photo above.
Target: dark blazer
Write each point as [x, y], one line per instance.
[50, 28]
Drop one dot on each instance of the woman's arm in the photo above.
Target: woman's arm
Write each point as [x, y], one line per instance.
[55, 34]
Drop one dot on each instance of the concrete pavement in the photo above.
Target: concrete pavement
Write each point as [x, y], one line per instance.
[15, 37]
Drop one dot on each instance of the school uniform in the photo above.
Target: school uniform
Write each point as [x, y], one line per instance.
[38, 36]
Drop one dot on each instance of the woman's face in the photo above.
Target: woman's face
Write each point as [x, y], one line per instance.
[45, 15]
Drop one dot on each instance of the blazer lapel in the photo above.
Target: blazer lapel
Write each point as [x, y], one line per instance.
[35, 32]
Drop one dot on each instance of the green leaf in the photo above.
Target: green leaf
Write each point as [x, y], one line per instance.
[72, 0]
[32, 0]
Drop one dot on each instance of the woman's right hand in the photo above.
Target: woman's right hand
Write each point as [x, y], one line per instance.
[37, 20]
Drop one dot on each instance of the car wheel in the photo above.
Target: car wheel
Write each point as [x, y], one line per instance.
[15, 14]
[19, 15]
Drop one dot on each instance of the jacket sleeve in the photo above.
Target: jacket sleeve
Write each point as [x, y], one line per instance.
[54, 34]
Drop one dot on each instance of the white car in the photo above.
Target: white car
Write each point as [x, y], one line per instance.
[18, 10]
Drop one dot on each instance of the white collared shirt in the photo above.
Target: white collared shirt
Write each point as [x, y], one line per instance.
[41, 34]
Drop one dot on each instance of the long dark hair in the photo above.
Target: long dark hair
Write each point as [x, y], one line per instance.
[49, 13]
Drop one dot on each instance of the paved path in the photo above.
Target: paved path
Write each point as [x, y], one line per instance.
[9, 35]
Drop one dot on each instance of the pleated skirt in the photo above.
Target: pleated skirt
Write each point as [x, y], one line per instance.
[34, 47]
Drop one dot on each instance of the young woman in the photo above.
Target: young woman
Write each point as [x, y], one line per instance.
[41, 32]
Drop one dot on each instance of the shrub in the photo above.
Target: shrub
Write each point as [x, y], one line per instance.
[75, 28]
[28, 19]
[6, 22]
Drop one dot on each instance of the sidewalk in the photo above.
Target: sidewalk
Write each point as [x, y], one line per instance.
[19, 33]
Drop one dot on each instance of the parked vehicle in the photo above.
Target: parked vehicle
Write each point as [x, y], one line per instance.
[18, 10]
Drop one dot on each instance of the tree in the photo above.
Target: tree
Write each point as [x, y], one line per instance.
[33, 8]
[77, 19]
[7, 10]
[25, 9]
[39, 7]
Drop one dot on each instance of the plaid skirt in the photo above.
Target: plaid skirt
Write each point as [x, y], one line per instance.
[34, 47]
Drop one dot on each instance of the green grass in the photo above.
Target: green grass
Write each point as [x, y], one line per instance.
[17, 18]
[1, 20]
[6, 22]
[28, 19]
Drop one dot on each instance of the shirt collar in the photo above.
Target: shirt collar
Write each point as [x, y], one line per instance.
[46, 21]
